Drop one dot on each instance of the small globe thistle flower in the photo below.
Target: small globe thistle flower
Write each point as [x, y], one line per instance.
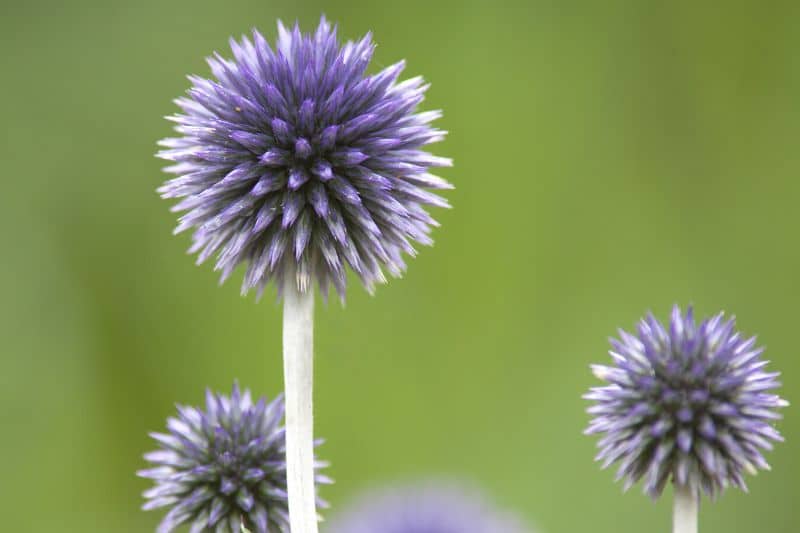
[425, 508]
[691, 404]
[295, 162]
[222, 468]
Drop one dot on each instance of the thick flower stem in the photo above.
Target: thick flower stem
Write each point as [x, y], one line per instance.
[684, 510]
[298, 372]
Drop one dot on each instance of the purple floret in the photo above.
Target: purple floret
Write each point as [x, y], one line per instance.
[223, 467]
[295, 162]
[425, 508]
[692, 404]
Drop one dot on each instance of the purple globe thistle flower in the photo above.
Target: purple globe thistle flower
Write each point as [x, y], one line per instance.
[295, 162]
[223, 467]
[426, 508]
[691, 404]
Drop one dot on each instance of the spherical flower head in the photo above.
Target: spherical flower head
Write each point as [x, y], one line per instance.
[425, 508]
[691, 404]
[223, 467]
[295, 162]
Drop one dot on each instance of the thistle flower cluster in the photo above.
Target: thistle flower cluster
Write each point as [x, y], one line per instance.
[425, 508]
[295, 162]
[692, 404]
[223, 468]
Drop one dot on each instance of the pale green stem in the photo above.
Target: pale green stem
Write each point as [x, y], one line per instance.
[298, 373]
[684, 510]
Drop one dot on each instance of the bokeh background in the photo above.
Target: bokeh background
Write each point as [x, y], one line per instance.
[611, 157]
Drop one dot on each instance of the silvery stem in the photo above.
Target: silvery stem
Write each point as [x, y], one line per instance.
[298, 373]
[684, 510]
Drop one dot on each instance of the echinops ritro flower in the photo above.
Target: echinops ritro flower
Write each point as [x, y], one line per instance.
[222, 468]
[295, 162]
[425, 508]
[691, 404]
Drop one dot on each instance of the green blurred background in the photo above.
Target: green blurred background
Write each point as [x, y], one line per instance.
[610, 158]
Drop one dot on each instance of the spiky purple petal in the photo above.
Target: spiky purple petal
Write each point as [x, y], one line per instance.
[294, 161]
[691, 404]
[222, 465]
